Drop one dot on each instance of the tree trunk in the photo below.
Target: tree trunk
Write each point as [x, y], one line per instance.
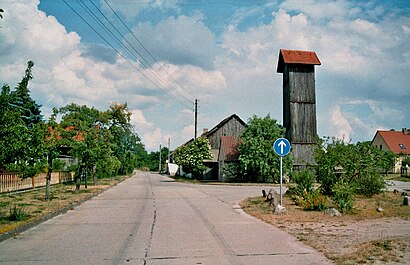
[86, 177]
[48, 177]
[78, 179]
[94, 176]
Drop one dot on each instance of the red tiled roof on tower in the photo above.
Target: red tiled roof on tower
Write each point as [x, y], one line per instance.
[296, 57]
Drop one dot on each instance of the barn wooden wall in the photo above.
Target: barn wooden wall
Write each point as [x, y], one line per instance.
[232, 128]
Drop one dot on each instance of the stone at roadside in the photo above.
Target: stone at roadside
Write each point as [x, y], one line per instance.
[406, 200]
[333, 212]
[279, 209]
[379, 209]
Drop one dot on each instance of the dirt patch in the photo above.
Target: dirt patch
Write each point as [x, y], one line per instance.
[364, 236]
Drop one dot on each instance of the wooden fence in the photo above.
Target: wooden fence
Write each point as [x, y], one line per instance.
[13, 182]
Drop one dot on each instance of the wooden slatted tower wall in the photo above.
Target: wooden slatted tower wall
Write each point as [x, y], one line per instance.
[299, 103]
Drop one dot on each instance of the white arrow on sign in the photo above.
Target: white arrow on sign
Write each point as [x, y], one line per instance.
[282, 145]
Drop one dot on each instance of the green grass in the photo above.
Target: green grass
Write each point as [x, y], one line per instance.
[397, 177]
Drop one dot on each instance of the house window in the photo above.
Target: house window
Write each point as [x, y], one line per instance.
[381, 147]
[402, 147]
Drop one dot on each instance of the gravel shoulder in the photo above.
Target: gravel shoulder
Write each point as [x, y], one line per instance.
[365, 236]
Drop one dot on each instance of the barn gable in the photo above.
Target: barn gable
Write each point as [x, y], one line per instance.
[231, 126]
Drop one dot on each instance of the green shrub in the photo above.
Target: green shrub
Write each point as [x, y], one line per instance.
[314, 201]
[343, 196]
[370, 184]
[233, 172]
[17, 213]
[304, 181]
[304, 192]
[358, 164]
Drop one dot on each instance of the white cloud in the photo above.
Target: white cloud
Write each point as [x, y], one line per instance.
[318, 10]
[184, 40]
[131, 9]
[138, 119]
[340, 126]
[153, 139]
[199, 82]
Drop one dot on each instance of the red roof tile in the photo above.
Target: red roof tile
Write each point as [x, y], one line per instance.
[296, 57]
[397, 141]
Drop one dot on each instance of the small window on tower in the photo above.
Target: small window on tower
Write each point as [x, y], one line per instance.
[402, 146]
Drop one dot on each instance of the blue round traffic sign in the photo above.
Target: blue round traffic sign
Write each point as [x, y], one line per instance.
[281, 146]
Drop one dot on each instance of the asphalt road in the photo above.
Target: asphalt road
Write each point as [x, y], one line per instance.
[148, 219]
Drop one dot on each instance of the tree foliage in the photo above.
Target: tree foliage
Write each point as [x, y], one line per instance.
[21, 99]
[127, 147]
[152, 159]
[259, 161]
[358, 165]
[192, 155]
[22, 132]
[103, 143]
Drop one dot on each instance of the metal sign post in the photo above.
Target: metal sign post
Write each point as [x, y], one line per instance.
[282, 148]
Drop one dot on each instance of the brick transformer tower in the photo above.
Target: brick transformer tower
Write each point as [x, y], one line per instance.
[299, 103]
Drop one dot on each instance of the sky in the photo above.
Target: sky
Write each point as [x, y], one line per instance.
[159, 56]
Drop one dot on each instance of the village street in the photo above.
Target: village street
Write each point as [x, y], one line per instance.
[149, 219]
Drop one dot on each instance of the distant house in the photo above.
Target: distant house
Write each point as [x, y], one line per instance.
[396, 141]
[231, 126]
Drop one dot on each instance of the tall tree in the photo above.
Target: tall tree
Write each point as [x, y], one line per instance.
[90, 141]
[127, 144]
[23, 131]
[52, 146]
[259, 161]
[13, 132]
[30, 110]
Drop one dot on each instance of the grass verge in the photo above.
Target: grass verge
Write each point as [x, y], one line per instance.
[21, 210]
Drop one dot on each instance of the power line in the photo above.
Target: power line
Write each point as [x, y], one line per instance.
[188, 121]
[152, 75]
[116, 50]
[145, 61]
[151, 72]
[142, 45]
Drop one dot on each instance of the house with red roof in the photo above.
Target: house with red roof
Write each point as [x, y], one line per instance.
[396, 141]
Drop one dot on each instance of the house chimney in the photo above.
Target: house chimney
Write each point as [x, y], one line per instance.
[204, 130]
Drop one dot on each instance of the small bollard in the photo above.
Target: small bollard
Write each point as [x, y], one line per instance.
[406, 200]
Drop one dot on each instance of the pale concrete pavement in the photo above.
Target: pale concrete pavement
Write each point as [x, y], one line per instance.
[148, 219]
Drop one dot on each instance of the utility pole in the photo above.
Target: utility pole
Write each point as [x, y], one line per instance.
[196, 118]
[159, 169]
[169, 150]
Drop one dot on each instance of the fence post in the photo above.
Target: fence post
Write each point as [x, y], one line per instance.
[33, 182]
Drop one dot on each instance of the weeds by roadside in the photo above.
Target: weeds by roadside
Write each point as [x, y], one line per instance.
[361, 236]
[20, 208]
